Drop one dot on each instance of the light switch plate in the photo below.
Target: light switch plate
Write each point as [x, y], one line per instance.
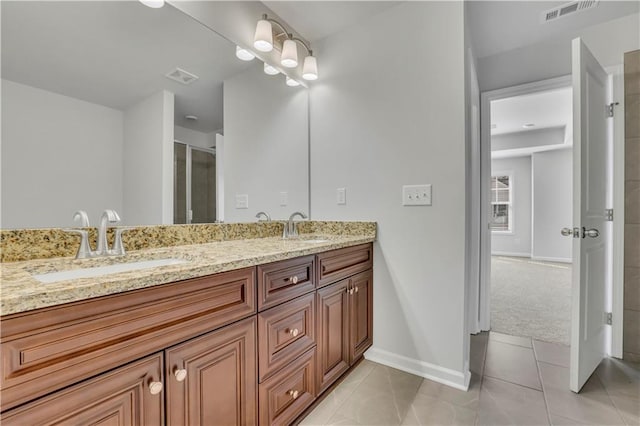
[416, 195]
[341, 196]
[284, 198]
[242, 201]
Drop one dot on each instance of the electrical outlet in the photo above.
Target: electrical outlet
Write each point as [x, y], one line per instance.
[242, 201]
[341, 196]
[284, 198]
[416, 195]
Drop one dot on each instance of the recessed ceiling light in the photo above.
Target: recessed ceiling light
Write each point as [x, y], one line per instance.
[191, 117]
[528, 125]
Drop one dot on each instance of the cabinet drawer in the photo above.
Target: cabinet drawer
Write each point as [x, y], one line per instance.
[285, 332]
[338, 264]
[120, 397]
[285, 280]
[286, 394]
[47, 349]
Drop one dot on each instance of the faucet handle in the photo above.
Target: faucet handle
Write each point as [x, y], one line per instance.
[83, 217]
[118, 245]
[84, 249]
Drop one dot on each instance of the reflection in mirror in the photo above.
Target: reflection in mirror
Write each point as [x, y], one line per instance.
[96, 95]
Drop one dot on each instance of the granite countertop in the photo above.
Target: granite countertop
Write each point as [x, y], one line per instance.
[21, 292]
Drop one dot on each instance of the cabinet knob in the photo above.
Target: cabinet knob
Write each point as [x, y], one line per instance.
[180, 374]
[356, 289]
[155, 388]
[350, 291]
[294, 279]
[294, 332]
[293, 393]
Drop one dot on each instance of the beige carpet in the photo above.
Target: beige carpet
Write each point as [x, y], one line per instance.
[531, 298]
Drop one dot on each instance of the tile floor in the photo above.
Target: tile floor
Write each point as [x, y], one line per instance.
[515, 381]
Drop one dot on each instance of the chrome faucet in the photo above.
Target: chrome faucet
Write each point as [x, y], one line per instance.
[266, 216]
[82, 216]
[108, 217]
[290, 227]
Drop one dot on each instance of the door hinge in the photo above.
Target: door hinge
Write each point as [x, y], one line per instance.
[610, 108]
[608, 215]
[608, 318]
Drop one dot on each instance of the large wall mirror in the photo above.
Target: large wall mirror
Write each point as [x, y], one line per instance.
[146, 111]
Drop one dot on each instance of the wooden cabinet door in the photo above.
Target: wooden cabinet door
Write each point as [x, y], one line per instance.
[360, 314]
[119, 398]
[333, 333]
[219, 387]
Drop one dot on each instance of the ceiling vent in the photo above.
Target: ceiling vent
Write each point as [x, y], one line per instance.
[182, 76]
[567, 9]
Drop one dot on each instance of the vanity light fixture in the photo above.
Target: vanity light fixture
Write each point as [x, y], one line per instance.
[244, 54]
[270, 70]
[263, 41]
[155, 4]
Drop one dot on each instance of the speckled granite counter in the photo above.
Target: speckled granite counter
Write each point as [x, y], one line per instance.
[21, 292]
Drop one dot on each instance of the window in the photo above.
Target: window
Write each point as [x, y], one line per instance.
[501, 208]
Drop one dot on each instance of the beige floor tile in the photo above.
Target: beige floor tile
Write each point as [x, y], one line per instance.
[552, 353]
[426, 410]
[503, 403]
[591, 405]
[621, 380]
[339, 420]
[468, 399]
[563, 421]
[513, 340]
[629, 408]
[511, 363]
[383, 397]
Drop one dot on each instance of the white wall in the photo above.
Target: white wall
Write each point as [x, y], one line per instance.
[608, 41]
[59, 155]
[148, 161]
[266, 145]
[552, 204]
[382, 117]
[517, 243]
[195, 138]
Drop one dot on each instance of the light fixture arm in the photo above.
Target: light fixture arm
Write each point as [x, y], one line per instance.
[288, 34]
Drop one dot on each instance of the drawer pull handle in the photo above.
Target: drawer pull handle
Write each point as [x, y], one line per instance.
[294, 332]
[293, 393]
[180, 374]
[155, 388]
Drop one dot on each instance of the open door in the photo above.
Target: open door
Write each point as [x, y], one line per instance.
[590, 162]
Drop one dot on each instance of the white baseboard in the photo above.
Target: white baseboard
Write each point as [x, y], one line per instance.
[446, 376]
[509, 254]
[552, 259]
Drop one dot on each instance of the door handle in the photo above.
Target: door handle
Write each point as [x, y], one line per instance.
[592, 233]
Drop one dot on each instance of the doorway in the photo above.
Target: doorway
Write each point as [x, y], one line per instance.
[194, 184]
[531, 200]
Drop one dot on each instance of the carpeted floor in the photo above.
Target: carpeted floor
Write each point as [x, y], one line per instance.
[531, 298]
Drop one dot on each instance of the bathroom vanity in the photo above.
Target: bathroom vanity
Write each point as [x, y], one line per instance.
[256, 343]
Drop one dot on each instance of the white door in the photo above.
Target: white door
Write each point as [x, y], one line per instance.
[588, 329]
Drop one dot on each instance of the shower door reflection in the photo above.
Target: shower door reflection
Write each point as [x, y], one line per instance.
[194, 184]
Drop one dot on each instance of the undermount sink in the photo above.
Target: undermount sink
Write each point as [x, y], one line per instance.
[98, 271]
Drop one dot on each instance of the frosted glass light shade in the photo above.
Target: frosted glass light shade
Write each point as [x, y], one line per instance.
[268, 69]
[156, 4]
[263, 38]
[310, 68]
[289, 56]
[244, 54]
[291, 82]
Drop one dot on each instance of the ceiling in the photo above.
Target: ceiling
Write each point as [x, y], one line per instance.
[116, 54]
[316, 20]
[543, 109]
[499, 26]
